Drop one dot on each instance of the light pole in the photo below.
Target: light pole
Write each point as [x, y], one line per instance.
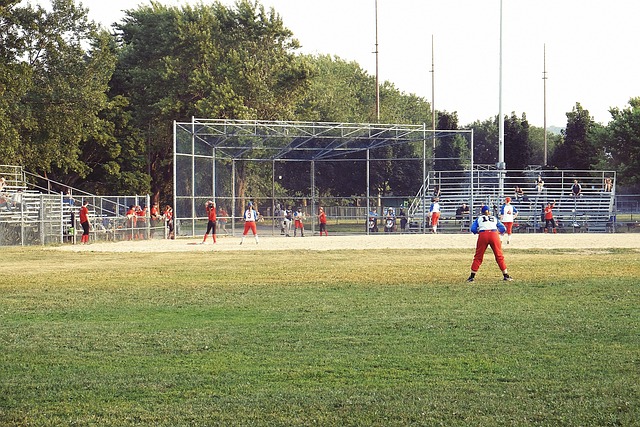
[501, 165]
[377, 78]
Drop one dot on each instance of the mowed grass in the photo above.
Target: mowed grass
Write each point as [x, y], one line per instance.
[344, 338]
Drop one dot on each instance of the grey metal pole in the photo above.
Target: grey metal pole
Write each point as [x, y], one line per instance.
[544, 79]
[377, 75]
[501, 164]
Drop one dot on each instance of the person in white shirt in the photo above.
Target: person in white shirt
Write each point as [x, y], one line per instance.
[434, 214]
[508, 214]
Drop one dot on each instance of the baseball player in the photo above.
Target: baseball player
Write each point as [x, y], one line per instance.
[210, 206]
[487, 227]
[250, 217]
[508, 214]
[434, 214]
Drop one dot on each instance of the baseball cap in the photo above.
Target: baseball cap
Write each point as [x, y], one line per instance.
[484, 209]
[507, 199]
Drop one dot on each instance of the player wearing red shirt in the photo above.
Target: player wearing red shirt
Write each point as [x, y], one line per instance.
[84, 222]
[322, 218]
[549, 221]
[210, 206]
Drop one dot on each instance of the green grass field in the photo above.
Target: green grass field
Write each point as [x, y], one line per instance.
[344, 338]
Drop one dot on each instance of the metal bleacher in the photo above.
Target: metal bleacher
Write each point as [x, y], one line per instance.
[35, 211]
[592, 211]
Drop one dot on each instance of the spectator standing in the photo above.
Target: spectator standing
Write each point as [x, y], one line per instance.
[508, 214]
[210, 207]
[322, 220]
[168, 218]
[279, 215]
[403, 220]
[288, 220]
[250, 217]
[84, 222]
[487, 227]
[540, 185]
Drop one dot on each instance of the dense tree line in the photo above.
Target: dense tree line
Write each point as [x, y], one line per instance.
[94, 109]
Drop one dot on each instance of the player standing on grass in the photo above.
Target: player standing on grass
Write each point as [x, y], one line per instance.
[322, 219]
[549, 221]
[84, 222]
[250, 218]
[508, 214]
[434, 214]
[487, 227]
[210, 206]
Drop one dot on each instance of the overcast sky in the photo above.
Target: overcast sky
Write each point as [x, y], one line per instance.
[591, 49]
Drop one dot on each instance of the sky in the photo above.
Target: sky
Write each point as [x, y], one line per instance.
[591, 49]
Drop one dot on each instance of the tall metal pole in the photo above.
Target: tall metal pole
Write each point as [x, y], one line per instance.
[501, 164]
[433, 99]
[544, 79]
[377, 76]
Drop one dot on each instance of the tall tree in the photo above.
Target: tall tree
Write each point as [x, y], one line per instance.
[485, 141]
[578, 149]
[517, 152]
[55, 66]
[206, 61]
[452, 150]
[622, 145]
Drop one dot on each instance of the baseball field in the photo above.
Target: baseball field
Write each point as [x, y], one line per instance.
[333, 331]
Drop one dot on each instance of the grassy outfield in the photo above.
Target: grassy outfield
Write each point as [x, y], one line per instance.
[344, 338]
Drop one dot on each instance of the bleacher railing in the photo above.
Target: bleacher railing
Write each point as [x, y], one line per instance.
[38, 211]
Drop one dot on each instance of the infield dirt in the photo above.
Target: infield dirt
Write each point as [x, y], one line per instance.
[364, 242]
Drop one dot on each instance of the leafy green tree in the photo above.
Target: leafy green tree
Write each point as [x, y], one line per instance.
[66, 90]
[485, 141]
[339, 91]
[536, 143]
[517, 152]
[578, 149]
[206, 61]
[622, 144]
[452, 150]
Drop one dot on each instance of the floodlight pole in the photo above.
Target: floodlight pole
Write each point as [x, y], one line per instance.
[377, 75]
[501, 165]
[313, 196]
[366, 223]
[544, 79]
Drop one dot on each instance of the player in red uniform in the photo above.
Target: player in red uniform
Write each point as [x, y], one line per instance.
[322, 218]
[549, 221]
[84, 222]
[210, 206]
[487, 227]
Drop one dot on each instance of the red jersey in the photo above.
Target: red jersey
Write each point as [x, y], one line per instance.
[323, 218]
[211, 212]
[548, 212]
[84, 214]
